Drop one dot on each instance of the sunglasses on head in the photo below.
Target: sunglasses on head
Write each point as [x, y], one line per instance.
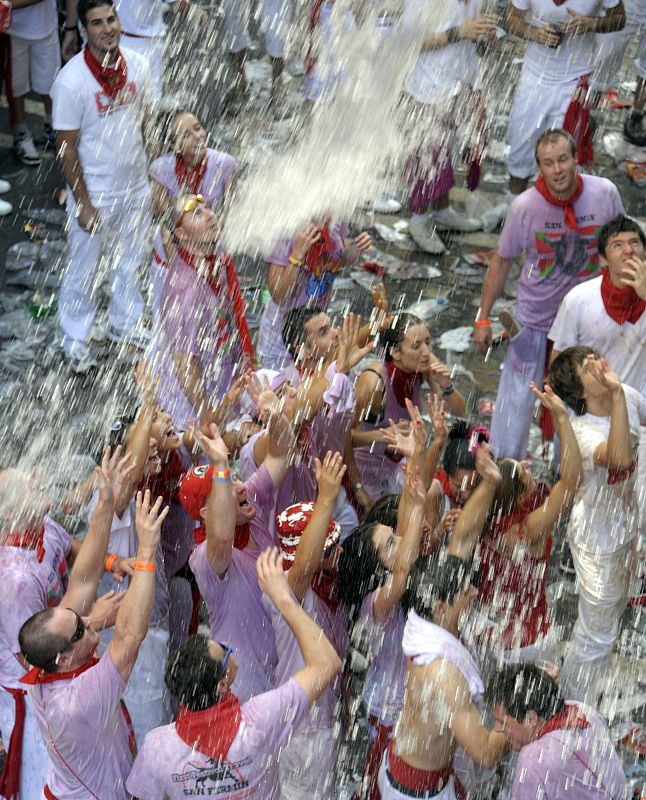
[190, 205]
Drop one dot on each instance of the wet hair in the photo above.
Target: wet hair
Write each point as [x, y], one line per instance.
[395, 333]
[520, 688]
[552, 136]
[87, 5]
[293, 331]
[40, 646]
[563, 377]
[509, 489]
[360, 568]
[384, 511]
[434, 578]
[457, 454]
[192, 676]
[619, 224]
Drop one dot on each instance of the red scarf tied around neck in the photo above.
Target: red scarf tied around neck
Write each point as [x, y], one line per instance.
[567, 205]
[29, 539]
[112, 79]
[403, 383]
[233, 293]
[213, 730]
[621, 304]
[38, 676]
[189, 179]
[571, 718]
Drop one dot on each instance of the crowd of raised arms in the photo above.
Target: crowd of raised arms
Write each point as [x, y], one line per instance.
[305, 533]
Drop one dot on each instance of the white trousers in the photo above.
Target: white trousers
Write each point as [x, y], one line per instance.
[35, 759]
[124, 237]
[308, 765]
[536, 108]
[276, 20]
[152, 49]
[611, 48]
[604, 583]
[388, 792]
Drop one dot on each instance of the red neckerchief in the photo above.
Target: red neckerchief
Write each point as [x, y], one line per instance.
[29, 539]
[578, 122]
[571, 718]
[443, 478]
[320, 251]
[325, 584]
[403, 383]
[167, 483]
[621, 304]
[112, 79]
[37, 675]
[234, 295]
[189, 179]
[213, 730]
[240, 537]
[568, 205]
[10, 777]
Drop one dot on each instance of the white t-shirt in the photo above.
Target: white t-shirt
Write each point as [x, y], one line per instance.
[582, 319]
[439, 74]
[110, 148]
[143, 17]
[604, 517]
[575, 56]
[34, 22]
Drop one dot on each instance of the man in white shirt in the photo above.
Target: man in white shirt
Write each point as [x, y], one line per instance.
[100, 97]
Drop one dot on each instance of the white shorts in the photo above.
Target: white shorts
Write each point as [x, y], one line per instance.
[34, 64]
[388, 791]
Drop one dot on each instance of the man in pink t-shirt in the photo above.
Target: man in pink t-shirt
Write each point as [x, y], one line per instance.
[77, 697]
[565, 750]
[236, 518]
[555, 225]
[218, 745]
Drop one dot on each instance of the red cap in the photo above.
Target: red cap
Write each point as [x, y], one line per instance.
[290, 525]
[195, 489]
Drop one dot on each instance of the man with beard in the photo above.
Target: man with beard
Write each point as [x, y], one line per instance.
[555, 224]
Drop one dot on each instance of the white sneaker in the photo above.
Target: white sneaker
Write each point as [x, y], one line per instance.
[80, 359]
[25, 150]
[138, 336]
[5, 208]
[387, 205]
[5, 186]
[448, 219]
[423, 233]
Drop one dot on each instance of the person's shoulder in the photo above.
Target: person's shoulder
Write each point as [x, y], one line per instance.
[599, 186]
[73, 73]
[584, 291]
[221, 158]
[134, 60]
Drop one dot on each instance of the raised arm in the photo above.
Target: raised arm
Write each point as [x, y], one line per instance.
[470, 523]
[309, 552]
[88, 564]
[133, 618]
[617, 452]
[282, 280]
[321, 660]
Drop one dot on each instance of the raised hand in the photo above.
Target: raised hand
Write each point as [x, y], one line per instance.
[362, 243]
[437, 412]
[122, 568]
[634, 274]
[398, 437]
[601, 372]
[148, 520]
[304, 240]
[549, 400]
[486, 467]
[104, 612]
[441, 373]
[348, 352]
[212, 445]
[272, 579]
[381, 316]
[113, 473]
[231, 398]
[329, 475]
[262, 394]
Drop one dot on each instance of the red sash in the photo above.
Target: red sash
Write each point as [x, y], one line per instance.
[36, 675]
[571, 718]
[419, 780]
[112, 79]
[578, 121]
[10, 777]
[189, 179]
[213, 730]
[234, 295]
[622, 304]
[29, 539]
[568, 205]
[403, 383]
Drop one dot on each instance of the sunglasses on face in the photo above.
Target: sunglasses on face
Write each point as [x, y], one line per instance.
[79, 631]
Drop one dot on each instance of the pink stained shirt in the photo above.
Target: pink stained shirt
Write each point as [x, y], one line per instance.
[167, 767]
[579, 764]
[233, 600]
[556, 258]
[85, 730]
[27, 587]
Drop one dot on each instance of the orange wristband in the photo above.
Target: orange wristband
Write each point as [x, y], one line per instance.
[144, 567]
[482, 323]
[109, 561]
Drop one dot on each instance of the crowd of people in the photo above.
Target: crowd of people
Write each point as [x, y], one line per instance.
[306, 528]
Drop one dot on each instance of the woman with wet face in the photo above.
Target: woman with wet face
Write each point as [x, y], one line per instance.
[381, 391]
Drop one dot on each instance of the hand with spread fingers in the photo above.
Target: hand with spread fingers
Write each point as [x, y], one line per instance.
[348, 351]
[329, 475]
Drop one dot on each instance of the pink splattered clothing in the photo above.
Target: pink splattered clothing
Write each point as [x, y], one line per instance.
[236, 614]
[27, 587]
[379, 474]
[167, 767]
[575, 764]
[86, 733]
